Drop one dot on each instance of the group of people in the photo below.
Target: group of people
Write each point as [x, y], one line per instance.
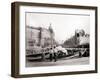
[52, 52]
[57, 51]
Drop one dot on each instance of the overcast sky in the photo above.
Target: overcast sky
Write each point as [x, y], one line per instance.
[64, 26]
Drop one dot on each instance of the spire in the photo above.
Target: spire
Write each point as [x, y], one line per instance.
[51, 34]
[50, 28]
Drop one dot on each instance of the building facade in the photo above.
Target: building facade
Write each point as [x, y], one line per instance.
[80, 38]
[38, 36]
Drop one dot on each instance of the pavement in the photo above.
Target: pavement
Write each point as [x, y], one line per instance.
[63, 61]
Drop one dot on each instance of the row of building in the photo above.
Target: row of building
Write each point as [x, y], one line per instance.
[40, 37]
[43, 37]
[79, 39]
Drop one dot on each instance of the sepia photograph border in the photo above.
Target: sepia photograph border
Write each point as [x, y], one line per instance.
[15, 39]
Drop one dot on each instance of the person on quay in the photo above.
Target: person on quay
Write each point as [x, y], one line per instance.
[51, 54]
[43, 54]
[55, 53]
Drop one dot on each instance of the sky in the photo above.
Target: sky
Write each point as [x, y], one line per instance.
[64, 25]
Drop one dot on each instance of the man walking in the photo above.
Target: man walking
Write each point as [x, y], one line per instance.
[55, 54]
[51, 54]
